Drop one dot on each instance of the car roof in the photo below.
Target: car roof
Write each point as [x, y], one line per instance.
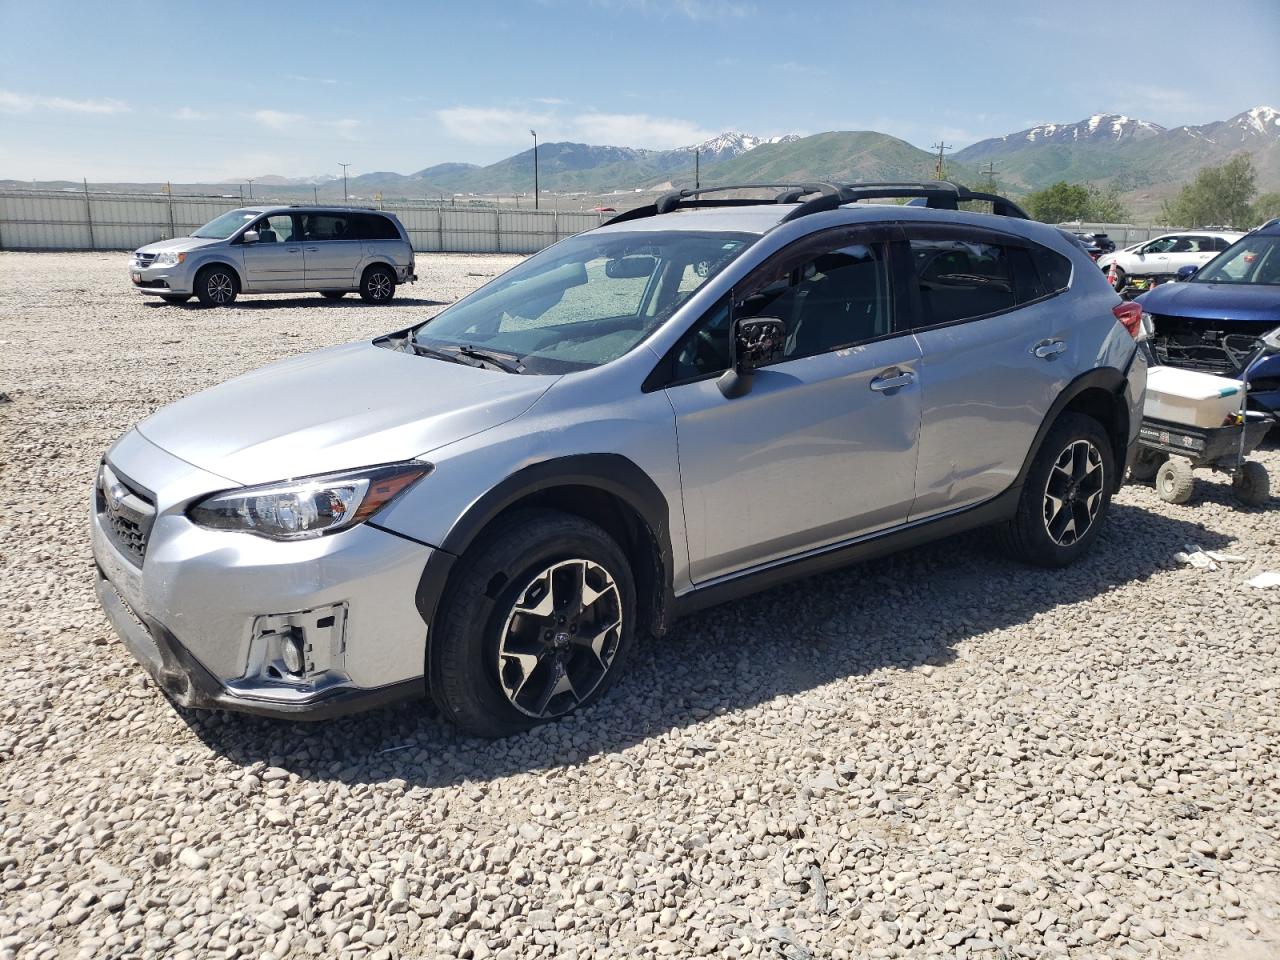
[762, 218]
[314, 208]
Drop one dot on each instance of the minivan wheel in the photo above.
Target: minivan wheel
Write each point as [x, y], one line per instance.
[1066, 496]
[539, 620]
[378, 285]
[216, 286]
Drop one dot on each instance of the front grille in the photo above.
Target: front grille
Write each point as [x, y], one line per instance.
[126, 514]
[143, 259]
[1221, 347]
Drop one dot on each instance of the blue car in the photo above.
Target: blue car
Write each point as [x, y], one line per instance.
[1211, 322]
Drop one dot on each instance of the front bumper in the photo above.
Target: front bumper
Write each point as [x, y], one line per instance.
[203, 610]
[175, 279]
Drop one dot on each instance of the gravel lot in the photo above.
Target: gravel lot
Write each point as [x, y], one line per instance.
[940, 753]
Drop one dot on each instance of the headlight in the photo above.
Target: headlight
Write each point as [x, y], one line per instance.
[168, 259]
[310, 507]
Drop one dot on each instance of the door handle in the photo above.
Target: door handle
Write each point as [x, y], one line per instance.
[892, 380]
[292, 249]
[1048, 349]
[312, 249]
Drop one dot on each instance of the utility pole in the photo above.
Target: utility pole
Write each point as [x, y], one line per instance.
[315, 192]
[938, 170]
[697, 169]
[534, 134]
[250, 181]
[344, 179]
[990, 175]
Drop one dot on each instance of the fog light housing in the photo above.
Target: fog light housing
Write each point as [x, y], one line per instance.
[291, 652]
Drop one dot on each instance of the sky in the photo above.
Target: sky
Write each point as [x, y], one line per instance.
[210, 91]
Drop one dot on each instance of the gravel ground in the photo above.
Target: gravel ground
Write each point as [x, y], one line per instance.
[940, 753]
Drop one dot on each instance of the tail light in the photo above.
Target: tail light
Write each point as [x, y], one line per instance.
[1130, 316]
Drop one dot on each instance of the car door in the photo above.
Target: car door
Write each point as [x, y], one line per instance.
[994, 355]
[823, 445]
[333, 249]
[274, 261]
[1153, 257]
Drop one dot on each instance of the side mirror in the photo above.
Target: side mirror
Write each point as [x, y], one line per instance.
[1187, 272]
[249, 236]
[754, 342]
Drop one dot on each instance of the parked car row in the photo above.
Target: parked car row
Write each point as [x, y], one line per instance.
[331, 251]
[1145, 264]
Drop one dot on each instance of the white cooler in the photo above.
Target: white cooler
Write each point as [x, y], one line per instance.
[1189, 397]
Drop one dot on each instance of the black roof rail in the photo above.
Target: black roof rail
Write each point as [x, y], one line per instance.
[937, 194]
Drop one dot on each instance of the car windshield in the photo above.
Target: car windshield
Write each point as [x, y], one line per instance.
[1251, 260]
[224, 226]
[585, 301]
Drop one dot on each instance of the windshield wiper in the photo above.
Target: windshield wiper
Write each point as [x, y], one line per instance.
[507, 362]
[423, 350]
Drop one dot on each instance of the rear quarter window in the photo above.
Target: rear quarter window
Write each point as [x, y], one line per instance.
[1054, 268]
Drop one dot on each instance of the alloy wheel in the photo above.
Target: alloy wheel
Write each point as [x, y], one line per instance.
[220, 287]
[560, 638]
[379, 286]
[1073, 494]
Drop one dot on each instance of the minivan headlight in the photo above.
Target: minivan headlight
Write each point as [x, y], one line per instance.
[308, 507]
[168, 259]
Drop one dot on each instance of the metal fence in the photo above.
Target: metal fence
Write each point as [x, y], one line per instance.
[82, 220]
[1122, 234]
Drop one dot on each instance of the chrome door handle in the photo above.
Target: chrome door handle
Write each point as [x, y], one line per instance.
[312, 249]
[1048, 349]
[292, 249]
[886, 382]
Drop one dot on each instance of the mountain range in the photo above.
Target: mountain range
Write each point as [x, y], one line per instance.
[1143, 161]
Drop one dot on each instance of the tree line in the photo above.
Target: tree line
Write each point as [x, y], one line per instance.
[1221, 196]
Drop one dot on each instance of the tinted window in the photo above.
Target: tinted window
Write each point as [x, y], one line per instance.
[962, 279]
[328, 226]
[371, 226]
[1054, 269]
[837, 298]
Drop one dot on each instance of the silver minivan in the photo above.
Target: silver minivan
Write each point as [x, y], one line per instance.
[331, 251]
[703, 398]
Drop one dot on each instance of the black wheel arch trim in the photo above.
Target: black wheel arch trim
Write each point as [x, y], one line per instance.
[610, 473]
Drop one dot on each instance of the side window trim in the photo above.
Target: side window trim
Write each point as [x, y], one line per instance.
[887, 234]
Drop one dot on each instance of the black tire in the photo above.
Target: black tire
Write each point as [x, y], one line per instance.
[378, 285]
[470, 675]
[1145, 465]
[1120, 280]
[1175, 481]
[1251, 484]
[175, 298]
[1046, 535]
[333, 294]
[217, 286]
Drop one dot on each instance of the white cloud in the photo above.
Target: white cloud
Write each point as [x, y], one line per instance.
[500, 126]
[305, 79]
[11, 102]
[276, 119]
[700, 10]
[494, 125]
[639, 130]
[186, 113]
[549, 101]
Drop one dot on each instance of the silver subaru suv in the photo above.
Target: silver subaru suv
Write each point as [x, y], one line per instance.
[702, 398]
[331, 251]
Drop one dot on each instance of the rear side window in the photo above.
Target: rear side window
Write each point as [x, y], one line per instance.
[327, 226]
[1053, 267]
[371, 226]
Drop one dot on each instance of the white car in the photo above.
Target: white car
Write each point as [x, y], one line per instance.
[1165, 256]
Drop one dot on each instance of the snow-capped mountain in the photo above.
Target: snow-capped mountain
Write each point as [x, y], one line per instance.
[732, 143]
[1257, 127]
[1101, 128]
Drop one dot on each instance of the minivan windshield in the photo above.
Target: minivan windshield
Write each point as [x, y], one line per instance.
[224, 226]
[584, 301]
[1251, 260]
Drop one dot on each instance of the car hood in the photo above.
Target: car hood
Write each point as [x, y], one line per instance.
[178, 245]
[1258, 302]
[337, 409]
